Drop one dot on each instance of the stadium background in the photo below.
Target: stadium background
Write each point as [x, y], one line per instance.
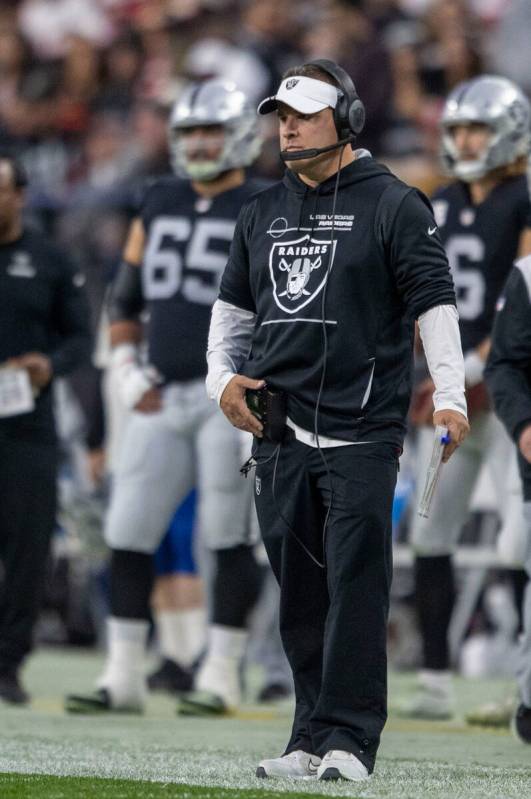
[85, 90]
[86, 85]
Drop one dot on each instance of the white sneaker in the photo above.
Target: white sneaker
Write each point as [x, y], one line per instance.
[427, 704]
[337, 765]
[493, 714]
[295, 765]
[127, 696]
[128, 693]
[433, 698]
[220, 676]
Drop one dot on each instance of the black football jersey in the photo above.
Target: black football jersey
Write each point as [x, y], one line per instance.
[481, 243]
[188, 238]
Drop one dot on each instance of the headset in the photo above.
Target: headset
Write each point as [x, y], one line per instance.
[349, 113]
[349, 119]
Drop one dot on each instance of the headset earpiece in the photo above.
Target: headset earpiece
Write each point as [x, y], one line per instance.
[356, 116]
[341, 114]
[349, 113]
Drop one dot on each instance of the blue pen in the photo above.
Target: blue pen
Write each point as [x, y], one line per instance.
[445, 439]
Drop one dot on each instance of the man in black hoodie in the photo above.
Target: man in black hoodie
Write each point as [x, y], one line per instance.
[327, 273]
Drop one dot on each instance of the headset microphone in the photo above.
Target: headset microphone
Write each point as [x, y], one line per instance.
[298, 155]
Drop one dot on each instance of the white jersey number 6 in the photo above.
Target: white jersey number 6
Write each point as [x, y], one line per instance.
[469, 282]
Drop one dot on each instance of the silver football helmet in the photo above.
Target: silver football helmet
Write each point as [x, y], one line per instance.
[214, 102]
[495, 102]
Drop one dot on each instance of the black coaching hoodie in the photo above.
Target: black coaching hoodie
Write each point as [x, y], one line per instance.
[364, 276]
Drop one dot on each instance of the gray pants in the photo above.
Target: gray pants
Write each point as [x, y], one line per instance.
[489, 444]
[162, 457]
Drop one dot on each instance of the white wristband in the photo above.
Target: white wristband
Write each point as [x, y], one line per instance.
[132, 381]
[474, 368]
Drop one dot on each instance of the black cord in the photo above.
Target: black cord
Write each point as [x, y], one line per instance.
[325, 357]
[283, 518]
[319, 394]
[253, 462]
[250, 464]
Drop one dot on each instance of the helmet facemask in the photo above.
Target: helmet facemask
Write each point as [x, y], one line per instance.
[467, 169]
[198, 157]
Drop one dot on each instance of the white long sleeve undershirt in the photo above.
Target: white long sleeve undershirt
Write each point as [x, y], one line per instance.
[231, 333]
[439, 331]
[229, 344]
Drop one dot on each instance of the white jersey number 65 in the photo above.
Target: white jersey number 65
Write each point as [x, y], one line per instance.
[165, 271]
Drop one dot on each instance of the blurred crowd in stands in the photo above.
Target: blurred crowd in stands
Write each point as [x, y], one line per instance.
[86, 86]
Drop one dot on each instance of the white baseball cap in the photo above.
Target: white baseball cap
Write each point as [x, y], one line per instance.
[306, 95]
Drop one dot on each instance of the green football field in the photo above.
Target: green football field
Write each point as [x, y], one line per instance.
[44, 753]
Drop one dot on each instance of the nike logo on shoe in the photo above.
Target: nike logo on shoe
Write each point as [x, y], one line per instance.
[431, 230]
[294, 765]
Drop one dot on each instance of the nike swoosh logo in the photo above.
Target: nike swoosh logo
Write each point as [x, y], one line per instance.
[312, 767]
[431, 230]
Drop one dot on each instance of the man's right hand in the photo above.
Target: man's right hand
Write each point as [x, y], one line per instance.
[524, 443]
[235, 408]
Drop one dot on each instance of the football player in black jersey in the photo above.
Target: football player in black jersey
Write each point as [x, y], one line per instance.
[44, 333]
[176, 438]
[508, 375]
[484, 220]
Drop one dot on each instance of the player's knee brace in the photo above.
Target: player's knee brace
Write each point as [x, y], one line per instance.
[237, 585]
[131, 583]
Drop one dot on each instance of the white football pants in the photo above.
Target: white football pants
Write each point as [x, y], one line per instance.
[162, 457]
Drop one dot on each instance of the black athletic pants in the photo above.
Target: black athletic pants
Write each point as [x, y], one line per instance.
[27, 516]
[333, 620]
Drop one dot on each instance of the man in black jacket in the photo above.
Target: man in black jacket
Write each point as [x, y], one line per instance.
[508, 376]
[44, 332]
[327, 273]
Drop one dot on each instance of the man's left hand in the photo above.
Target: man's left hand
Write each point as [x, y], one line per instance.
[458, 429]
[38, 366]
